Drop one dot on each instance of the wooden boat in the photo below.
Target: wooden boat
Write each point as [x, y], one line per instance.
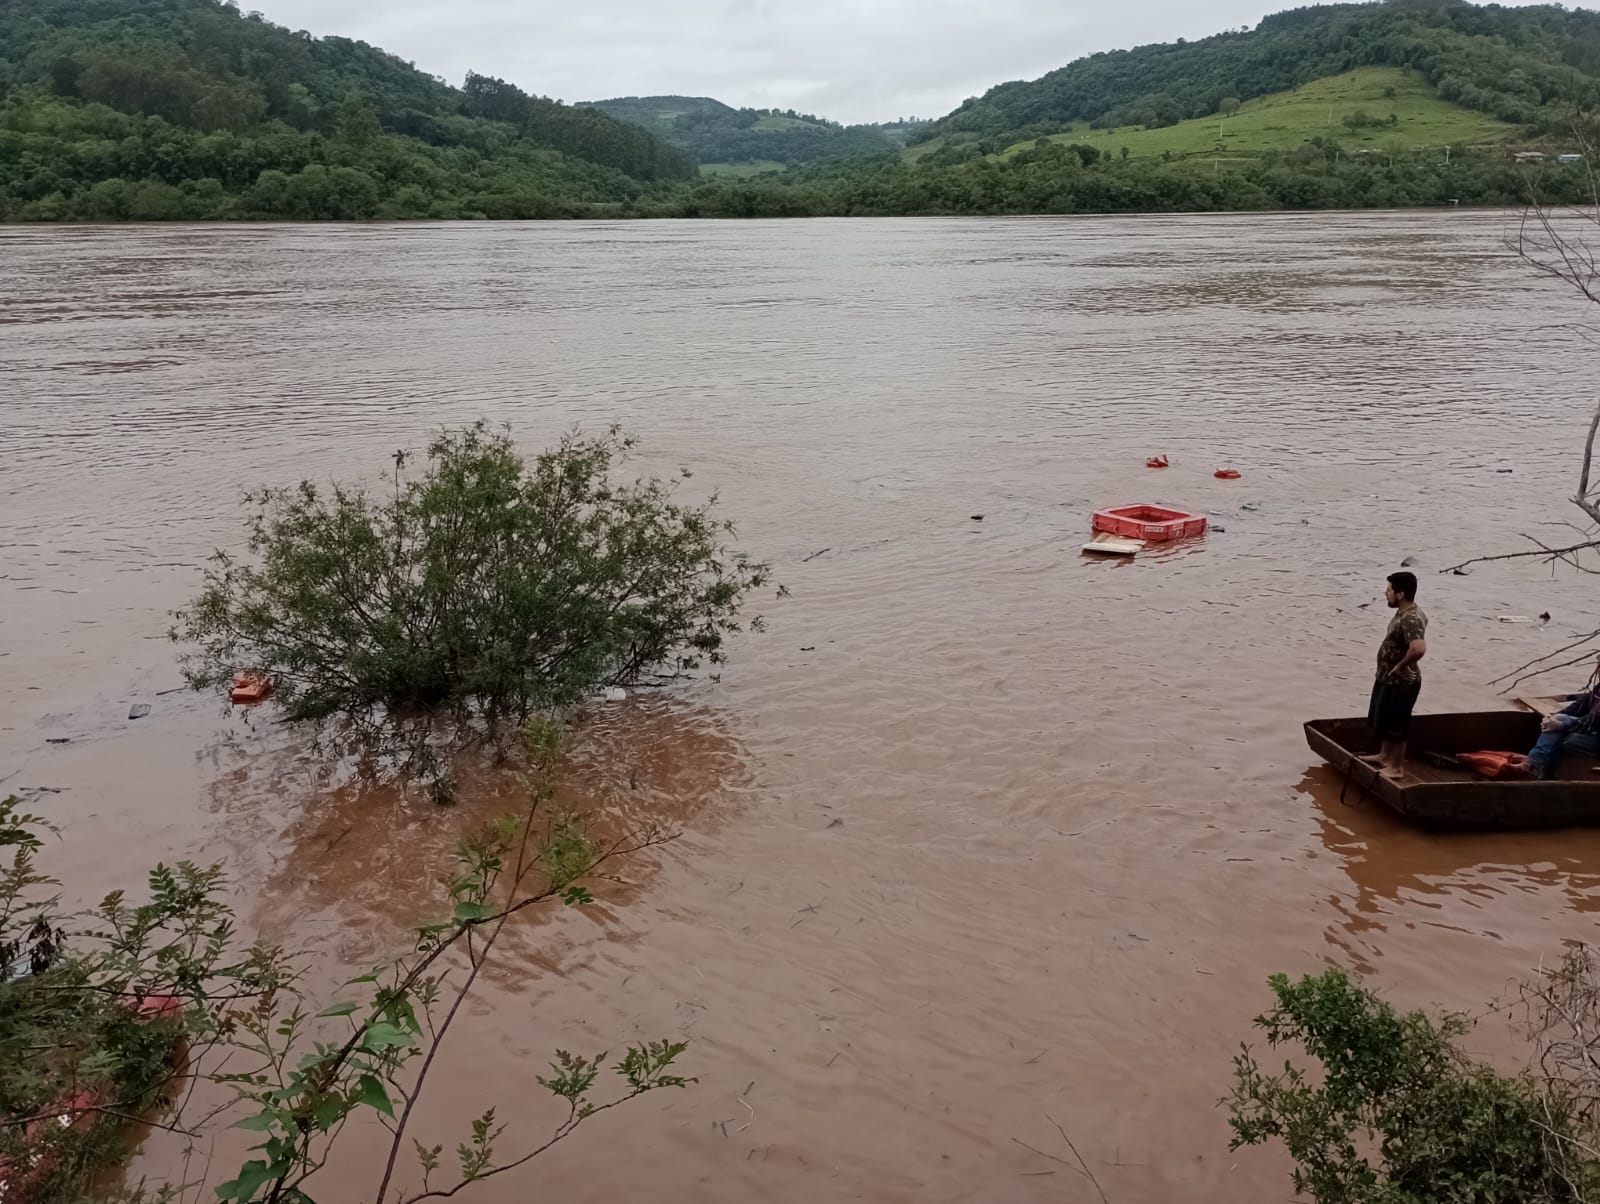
[1438, 793]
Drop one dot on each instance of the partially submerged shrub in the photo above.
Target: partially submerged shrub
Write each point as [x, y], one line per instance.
[486, 587]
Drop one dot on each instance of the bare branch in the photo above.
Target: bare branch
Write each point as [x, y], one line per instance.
[1542, 550]
[1089, 1174]
[1577, 660]
[1588, 459]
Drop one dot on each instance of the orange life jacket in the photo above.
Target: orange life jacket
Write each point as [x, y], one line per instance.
[1493, 764]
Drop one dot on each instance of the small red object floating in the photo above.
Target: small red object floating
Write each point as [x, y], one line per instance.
[159, 1007]
[1227, 474]
[1149, 522]
[20, 1177]
[1156, 462]
[249, 688]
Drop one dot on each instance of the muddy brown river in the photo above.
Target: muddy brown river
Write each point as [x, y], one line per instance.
[981, 836]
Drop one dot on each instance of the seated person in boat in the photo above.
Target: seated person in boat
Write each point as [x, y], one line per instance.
[1574, 727]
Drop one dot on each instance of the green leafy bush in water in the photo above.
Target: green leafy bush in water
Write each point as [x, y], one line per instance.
[485, 587]
[1399, 1115]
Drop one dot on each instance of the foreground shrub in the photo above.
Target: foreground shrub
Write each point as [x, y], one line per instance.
[1398, 1114]
[99, 1014]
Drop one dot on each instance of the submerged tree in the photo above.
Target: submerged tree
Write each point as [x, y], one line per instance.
[486, 588]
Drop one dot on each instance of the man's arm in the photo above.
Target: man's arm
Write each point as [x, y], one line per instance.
[1569, 716]
[1415, 651]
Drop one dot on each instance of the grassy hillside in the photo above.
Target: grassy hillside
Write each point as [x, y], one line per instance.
[741, 171]
[769, 122]
[1536, 66]
[661, 114]
[1354, 108]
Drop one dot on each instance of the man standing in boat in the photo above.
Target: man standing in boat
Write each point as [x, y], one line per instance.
[1399, 682]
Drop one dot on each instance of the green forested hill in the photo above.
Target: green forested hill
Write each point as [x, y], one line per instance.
[715, 133]
[187, 108]
[1534, 66]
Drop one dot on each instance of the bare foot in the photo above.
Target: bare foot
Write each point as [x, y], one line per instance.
[1376, 760]
[1394, 773]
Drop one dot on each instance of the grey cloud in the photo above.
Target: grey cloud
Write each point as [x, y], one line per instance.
[850, 60]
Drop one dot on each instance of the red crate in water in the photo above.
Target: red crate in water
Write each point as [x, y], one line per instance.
[1149, 522]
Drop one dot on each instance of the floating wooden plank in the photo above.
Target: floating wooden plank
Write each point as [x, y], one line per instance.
[1113, 545]
[1544, 705]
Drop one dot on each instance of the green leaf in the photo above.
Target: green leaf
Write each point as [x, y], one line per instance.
[370, 1091]
[328, 1112]
[343, 1008]
[385, 1036]
[470, 911]
[252, 1177]
[260, 1122]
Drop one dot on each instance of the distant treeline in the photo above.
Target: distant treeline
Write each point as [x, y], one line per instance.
[1051, 177]
[156, 173]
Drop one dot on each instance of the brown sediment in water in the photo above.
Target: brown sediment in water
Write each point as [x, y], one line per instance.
[981, 832]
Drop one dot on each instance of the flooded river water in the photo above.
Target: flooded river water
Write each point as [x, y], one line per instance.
[981, 836]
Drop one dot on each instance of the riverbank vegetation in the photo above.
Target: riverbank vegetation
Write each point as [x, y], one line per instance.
[157, 1015]
[102, 1014]
[1397, 1113]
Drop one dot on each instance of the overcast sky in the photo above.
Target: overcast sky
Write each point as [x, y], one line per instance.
[850, 60]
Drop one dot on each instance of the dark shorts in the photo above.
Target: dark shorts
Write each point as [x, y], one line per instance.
[1390, 710]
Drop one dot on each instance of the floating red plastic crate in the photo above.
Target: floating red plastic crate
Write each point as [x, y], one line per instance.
[1149, 522]
[249, 688]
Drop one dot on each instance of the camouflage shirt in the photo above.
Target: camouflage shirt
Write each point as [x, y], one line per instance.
[1409, 623]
